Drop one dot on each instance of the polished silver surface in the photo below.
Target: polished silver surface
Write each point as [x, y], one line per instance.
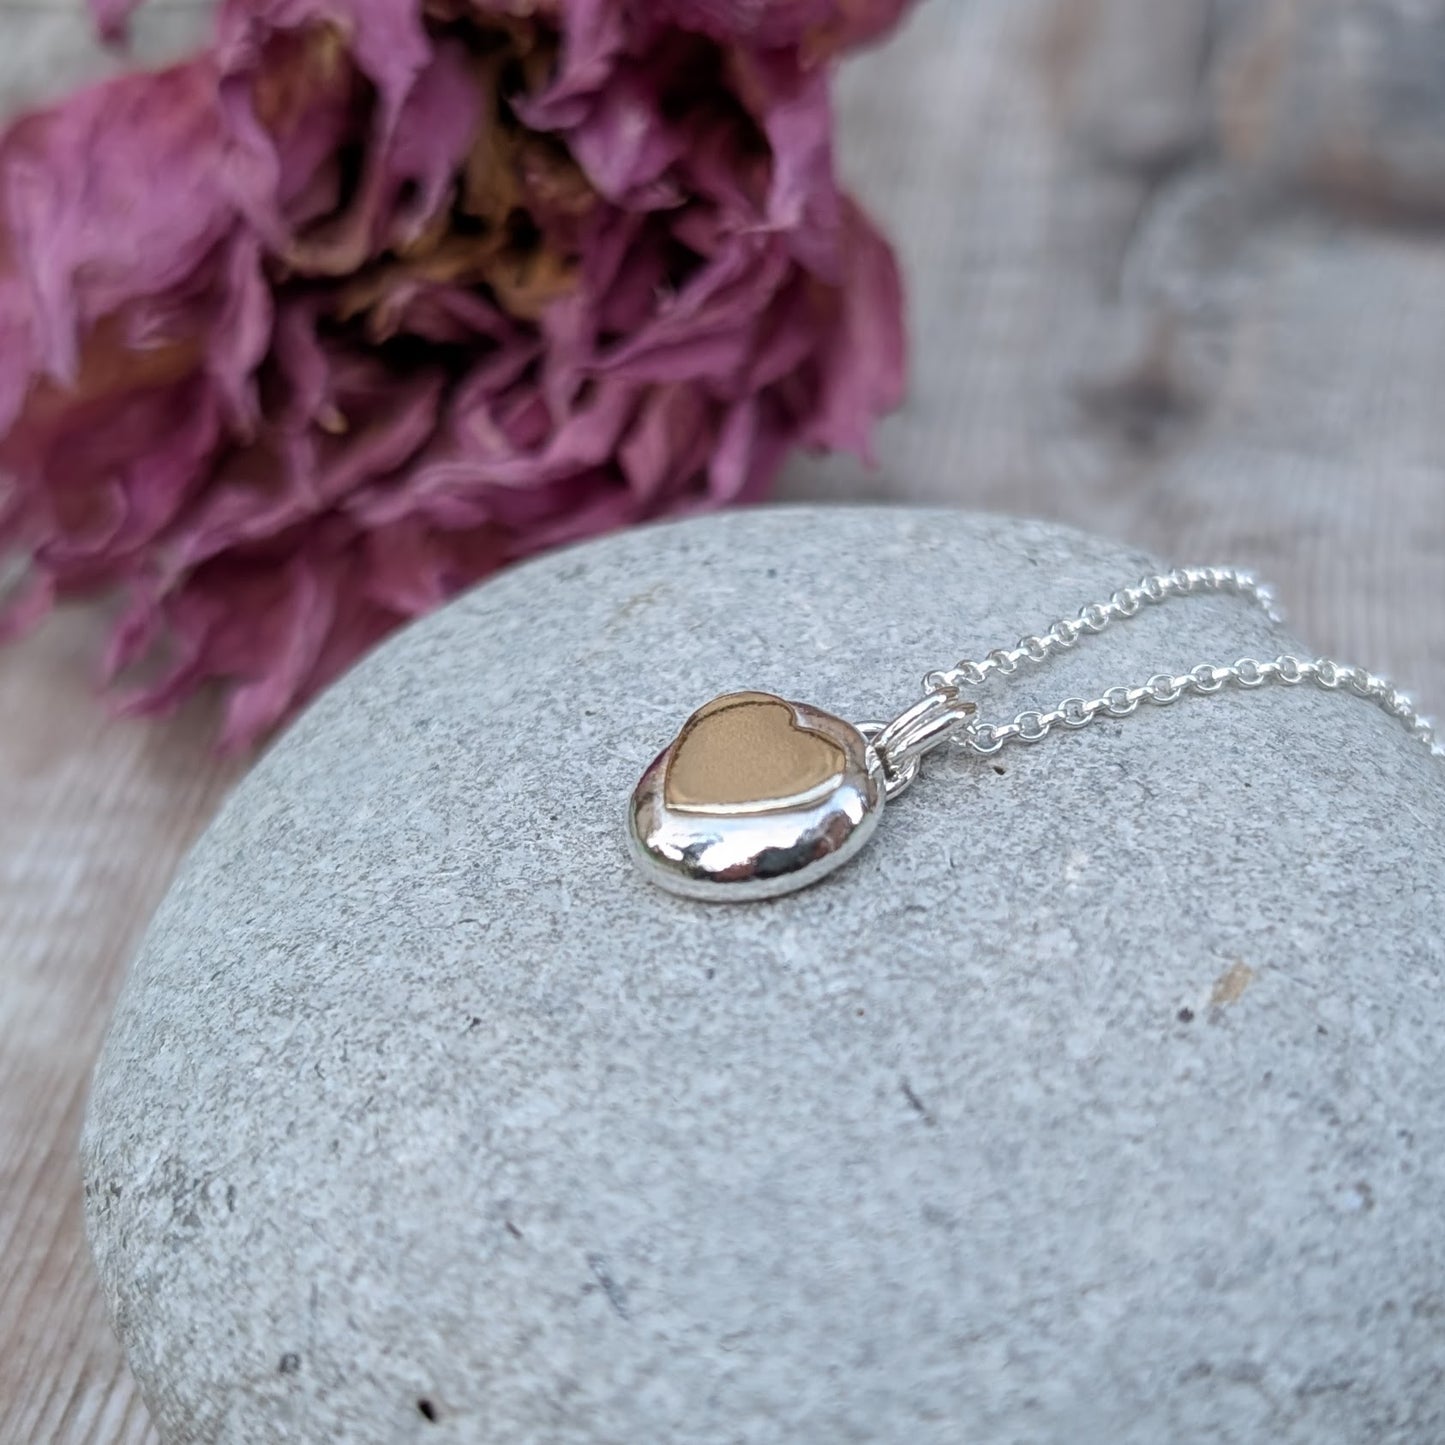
[735, 847]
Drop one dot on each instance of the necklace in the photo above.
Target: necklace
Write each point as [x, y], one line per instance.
[758, 796]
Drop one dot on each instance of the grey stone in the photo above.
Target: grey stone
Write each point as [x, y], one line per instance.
[1099, 1100]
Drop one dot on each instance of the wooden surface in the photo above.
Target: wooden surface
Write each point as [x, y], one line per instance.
[1177, 276]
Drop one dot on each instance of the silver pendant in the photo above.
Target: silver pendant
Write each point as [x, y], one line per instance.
[758, 796]
[755, 797]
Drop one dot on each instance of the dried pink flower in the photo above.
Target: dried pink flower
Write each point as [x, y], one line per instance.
[307, 334]
[821, 27]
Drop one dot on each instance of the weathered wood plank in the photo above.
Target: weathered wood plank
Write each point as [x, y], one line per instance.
[1175, 278]
[93, 821]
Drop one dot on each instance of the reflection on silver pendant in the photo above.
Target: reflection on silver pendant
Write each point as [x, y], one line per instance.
[755, 797]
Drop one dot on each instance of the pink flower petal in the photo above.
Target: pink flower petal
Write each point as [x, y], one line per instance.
[707, 330]
[668, 445]
[819, 26]
[68, 181]
[796, 113]
[295, 628]
[242, 332]
[625, 148]
[594, 36]
[865, 361]
[112, 18]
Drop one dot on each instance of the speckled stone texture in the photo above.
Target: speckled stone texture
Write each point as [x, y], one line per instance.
[1100, 1101]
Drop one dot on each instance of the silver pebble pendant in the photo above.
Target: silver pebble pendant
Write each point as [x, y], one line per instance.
[755, 797]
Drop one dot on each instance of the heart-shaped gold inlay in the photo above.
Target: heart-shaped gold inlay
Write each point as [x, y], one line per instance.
[749, 751]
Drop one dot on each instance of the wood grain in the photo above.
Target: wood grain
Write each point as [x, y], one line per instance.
[95, 817]
[1176, 275]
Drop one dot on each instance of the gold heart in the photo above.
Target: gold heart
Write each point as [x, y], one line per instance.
[748, 751]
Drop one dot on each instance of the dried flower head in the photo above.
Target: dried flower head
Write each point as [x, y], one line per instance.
[305, 335]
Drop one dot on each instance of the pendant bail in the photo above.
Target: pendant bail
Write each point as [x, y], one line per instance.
[903, 743]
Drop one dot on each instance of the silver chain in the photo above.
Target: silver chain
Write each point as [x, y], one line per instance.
[944, 715]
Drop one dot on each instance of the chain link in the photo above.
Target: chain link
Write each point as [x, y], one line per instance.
[902, 743]
[1127, 602]
[987, 739]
